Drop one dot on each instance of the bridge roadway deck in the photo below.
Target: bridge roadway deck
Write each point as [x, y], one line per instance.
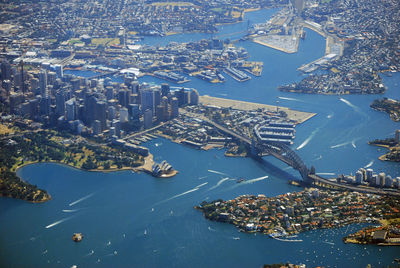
[354, 188]
[287, 161]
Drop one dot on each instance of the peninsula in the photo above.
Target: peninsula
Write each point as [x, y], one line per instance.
[390, 106]
[35, 146]
[292, 213]
[387, 234]
[392, 144]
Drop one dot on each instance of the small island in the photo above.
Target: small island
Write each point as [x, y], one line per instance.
[390, 106]
[288, 214]
[392, 144]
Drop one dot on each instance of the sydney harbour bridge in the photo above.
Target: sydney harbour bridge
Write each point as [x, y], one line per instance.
[284, 153]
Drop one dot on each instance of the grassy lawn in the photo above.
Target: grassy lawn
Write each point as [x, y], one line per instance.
[179, 4]
[105, 41]
[4, 130]
[73, 41]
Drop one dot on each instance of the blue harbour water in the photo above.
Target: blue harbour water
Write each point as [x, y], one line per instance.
[135, 220]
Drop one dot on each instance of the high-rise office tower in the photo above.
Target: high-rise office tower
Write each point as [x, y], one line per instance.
[101, 114]
[147, 100]
[174, 107]
[194, 97]
[5, 70]
[70, 107]
[157, 97]
[43, 82]
[59, 70]
[148, 119]
[123, 115]
[165, 89]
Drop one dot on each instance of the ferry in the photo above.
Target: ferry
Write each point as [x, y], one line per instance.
[240, 180]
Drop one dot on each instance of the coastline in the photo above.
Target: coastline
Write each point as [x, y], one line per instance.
[298, 116]
[384, 156]
[146, 167]
[263, 43]
[33, 202]
[143, 167]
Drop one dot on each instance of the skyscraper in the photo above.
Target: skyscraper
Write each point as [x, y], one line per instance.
[70, 107]
[157, 97]
[147, 100]
[180, 95]
[101, 114]
[5, 70]
[123, 115]
[298, 5]
[194, 97]
[43, 82]
[174, 108]
[59, 70]
[45, 103]
[148, 119]
[165, 89]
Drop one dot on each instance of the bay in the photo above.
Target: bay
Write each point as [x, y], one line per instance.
[135, 220]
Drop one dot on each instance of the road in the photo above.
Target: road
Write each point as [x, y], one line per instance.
[223, 129]
[354, 188]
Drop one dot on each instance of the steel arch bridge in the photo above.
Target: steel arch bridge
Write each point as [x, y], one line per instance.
[283, 153]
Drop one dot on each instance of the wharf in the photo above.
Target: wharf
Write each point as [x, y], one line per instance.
[285, 43]
[297, 116]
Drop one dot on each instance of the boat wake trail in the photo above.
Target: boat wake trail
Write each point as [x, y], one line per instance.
[254, 180]
[355, 108]
[340, 145]
[70, 210]
[58, 222]
[288, 240]
[329, 243]
[81, 199]
[290, 99]
[90, 253]
[203, 177]
[211, 229]
[184, 193]
[369, 164]
[326, 173]
[318, 158]
[217, 172]
[218, 183]
[248, 182]
[353, 143]
[308, 139]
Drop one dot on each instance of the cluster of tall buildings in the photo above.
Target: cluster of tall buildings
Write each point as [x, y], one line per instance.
[93, 106]
[369, 177]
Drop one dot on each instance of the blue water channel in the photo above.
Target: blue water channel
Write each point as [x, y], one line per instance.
[135, 220]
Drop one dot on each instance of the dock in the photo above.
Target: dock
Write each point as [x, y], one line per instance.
[285, 43]
[297, 116]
